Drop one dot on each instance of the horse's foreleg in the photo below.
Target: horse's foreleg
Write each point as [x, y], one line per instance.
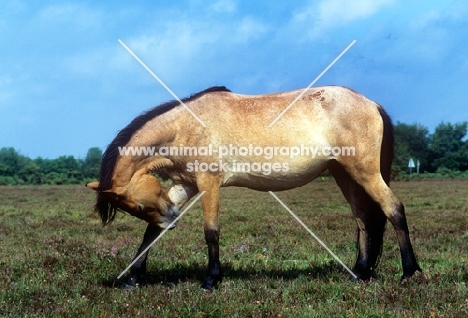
[138, 270]
[214, 275]
[210, 203]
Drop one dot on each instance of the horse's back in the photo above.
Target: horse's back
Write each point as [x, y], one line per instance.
[322, 116]
[322, 123]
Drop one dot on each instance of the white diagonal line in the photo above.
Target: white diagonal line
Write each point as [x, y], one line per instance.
[162, 83]
[161, 234]
[313, 82]
[313, 235]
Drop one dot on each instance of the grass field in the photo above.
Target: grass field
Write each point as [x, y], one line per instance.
[57, 260]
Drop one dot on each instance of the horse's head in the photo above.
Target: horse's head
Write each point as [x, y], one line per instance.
[143, 197]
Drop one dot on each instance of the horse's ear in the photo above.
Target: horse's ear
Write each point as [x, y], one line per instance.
[93, 185]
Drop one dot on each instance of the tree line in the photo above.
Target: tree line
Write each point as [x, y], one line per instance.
[18, 169]
[442, 153]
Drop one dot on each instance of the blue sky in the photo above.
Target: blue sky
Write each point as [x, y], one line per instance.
[66, 84]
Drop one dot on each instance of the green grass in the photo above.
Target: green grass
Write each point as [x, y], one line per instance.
[57, 260]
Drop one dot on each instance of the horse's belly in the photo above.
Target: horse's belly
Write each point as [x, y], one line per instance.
[276, 176]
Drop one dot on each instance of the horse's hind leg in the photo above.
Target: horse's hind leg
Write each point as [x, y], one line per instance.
[380, 192]
[370, 220]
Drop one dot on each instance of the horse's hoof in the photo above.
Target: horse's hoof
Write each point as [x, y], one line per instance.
[134, 282]
[363, 275]
[206, 287]
[410, 272]
[354, 279]
[211, 282]
[130, 287]
[417, 277]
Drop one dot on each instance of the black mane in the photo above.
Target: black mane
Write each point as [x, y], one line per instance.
[111, 154]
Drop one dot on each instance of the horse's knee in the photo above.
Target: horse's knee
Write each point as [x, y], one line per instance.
[212, 236]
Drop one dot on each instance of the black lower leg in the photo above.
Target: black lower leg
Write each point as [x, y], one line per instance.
[408, 258]
[370, 241]
[138, 269]
[214, 275]
[361, 268]
[137, 274]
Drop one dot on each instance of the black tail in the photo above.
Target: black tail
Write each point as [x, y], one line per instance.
[387, 150]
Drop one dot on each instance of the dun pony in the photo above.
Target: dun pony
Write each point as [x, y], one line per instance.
[329, 117]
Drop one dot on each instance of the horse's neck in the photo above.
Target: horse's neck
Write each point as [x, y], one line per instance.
[135, 162]
[170, 129]
[124, 170]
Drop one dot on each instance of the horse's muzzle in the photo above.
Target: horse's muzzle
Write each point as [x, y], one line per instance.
[169, 218]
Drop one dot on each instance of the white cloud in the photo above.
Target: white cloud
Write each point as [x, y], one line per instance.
[249, 29]
[333, 13]
[176, 41]
[432, 37]
[89, 63]
[194, 46]
[330, 14]
[79, 16]
[224, 6]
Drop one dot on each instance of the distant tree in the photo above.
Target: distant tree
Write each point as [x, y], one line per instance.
[63, 170]
[46, 165]
[18, 169]
[448, 149]
[4, 169]
[66, 164]
[30, 173]
[411, 141]
[11, 161]
[69, 169]
[92, 163]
